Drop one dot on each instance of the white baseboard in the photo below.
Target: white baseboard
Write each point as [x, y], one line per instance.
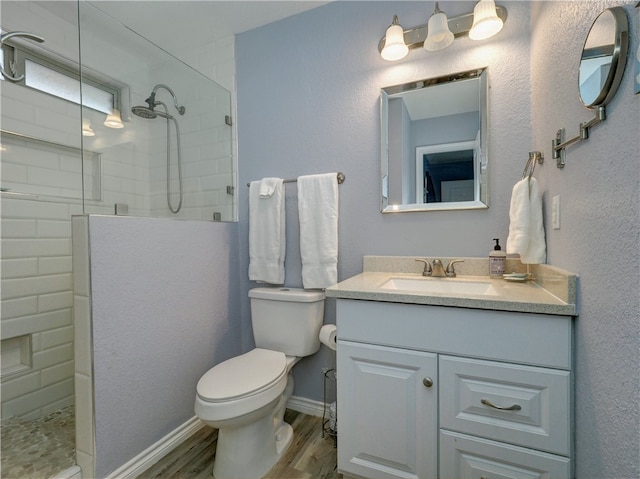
[157, 451]
[306, 406]
[73, 472]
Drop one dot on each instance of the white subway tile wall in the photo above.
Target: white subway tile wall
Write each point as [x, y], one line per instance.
[37, 301]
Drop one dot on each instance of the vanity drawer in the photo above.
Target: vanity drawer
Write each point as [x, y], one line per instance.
[466, 457]
[523, 405]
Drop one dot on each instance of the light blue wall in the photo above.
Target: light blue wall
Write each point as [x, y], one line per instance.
[308, 90]
[308, 102]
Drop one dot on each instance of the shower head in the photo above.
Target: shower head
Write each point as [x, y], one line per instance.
[148, 113]
[144, 112]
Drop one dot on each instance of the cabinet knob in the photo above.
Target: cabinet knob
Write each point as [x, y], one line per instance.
[428, 382]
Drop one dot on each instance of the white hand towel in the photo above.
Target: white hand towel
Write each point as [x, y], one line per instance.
[267, 244]
[526, 229]
[318, 212]
[268, 186]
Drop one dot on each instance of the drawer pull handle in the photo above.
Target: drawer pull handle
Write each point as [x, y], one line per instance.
[515, 407]
[428, 382]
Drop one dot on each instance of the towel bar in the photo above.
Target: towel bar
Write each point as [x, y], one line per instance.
[340, 177]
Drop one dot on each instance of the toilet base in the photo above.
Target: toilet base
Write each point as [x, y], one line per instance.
[249, 451]
[284, 436]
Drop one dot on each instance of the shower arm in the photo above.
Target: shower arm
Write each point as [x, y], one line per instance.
[12, 63]
[180, 109]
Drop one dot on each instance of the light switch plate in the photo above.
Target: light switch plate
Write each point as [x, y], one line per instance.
[555, 212]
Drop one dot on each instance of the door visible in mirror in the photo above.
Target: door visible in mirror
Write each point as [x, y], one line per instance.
[434, 144]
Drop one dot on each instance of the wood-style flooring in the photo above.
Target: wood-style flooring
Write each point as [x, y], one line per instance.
[310, 456]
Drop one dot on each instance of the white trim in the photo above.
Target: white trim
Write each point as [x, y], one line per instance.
[157, 451]
[74, 472]
[306, 406]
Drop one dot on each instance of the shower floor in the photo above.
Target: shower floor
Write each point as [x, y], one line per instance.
[40, 448]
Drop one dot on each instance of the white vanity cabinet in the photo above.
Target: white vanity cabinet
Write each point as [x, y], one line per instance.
[389, 403]
[431, 392]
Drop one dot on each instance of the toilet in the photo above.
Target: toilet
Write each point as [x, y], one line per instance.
[245, 397]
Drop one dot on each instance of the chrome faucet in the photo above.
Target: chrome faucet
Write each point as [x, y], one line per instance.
[437, 270]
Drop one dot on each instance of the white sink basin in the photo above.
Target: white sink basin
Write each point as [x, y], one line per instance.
[441, 286]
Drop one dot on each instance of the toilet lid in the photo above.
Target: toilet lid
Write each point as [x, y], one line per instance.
[242, 375]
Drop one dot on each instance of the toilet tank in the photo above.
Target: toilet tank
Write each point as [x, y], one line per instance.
[287, 319]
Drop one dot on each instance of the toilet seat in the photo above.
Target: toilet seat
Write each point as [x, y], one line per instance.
[241, 376]
[241, 384]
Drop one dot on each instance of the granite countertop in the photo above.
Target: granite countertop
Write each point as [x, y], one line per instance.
[551, 291]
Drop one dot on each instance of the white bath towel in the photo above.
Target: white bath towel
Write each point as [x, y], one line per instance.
[267, 243]
[318, 212]
[526, 228]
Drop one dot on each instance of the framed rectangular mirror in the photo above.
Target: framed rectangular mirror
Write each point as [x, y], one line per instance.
[434, 143]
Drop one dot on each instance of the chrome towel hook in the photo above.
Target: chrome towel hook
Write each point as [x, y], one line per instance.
[12, 63]
[534, 156]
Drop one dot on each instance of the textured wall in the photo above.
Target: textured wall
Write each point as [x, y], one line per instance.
[164, 307]
[308, 102]
[599, 235]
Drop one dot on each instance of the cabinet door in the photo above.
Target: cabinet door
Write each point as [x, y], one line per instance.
[468, 457]
[387, 412]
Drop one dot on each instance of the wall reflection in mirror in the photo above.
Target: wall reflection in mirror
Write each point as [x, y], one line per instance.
[434, 143]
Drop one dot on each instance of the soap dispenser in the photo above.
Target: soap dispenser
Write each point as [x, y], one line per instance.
[497, 260]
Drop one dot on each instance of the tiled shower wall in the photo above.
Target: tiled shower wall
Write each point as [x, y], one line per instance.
[36, 305]
[36, 321]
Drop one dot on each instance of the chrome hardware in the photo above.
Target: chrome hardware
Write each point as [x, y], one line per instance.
[529, 168]
[427, 267]
[451, 272]
[340, 178]
[428, 382]
[12, 63]
[438, 269]
[486, 402]
[559, 145]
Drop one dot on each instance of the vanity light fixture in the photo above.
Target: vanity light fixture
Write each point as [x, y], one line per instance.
[114, 120]
[486, 22]
[434, 36]
[394, 47]
[439, 36]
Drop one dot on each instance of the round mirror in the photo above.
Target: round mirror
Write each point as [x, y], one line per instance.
[603, 58]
